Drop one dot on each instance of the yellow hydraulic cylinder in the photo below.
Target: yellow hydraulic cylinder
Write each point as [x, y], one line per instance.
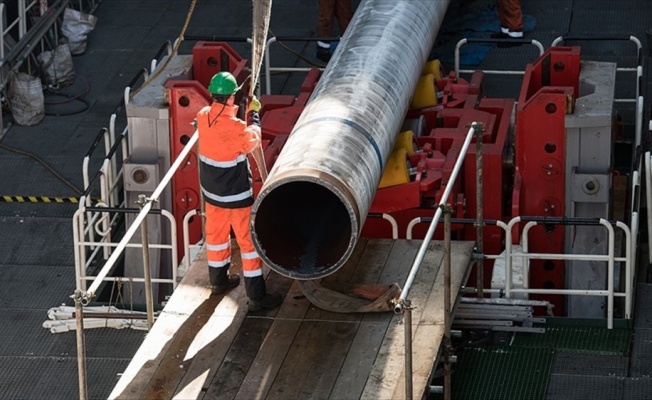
[425, 94]
[397, 169]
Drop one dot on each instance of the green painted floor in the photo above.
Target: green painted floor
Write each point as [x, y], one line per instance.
[499, 365]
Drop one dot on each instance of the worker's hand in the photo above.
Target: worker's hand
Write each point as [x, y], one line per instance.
[254, 104]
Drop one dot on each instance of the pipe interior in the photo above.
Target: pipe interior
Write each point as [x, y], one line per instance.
[302, 228]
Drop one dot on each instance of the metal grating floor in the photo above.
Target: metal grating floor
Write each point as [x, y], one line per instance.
[565, 362]
[572, 387]
[579, 364]
[501, 373]
[580, 340]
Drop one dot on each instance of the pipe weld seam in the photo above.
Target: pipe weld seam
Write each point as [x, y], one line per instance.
[359, 128]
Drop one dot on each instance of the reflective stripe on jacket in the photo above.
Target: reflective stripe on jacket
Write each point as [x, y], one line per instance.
[224, 141]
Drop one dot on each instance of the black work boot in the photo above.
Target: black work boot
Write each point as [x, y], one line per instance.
[259, 299]
[232, 282]
[269, 302]
[221, 282]
[323, 51]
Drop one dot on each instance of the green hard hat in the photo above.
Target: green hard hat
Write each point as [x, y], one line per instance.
[223, 83]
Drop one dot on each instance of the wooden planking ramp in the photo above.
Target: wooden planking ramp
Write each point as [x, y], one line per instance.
[297, 351]
[313, 362]
[271, 356]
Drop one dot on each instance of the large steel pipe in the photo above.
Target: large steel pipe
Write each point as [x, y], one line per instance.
[309, 213]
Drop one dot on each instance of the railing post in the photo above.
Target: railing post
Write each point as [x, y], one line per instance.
[448, 309]
[22, 26]
[142, 201]
[407, 326]
[81, 346]
[479, 130]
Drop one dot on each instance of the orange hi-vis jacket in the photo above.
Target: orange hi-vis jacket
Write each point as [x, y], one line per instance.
[224, 142]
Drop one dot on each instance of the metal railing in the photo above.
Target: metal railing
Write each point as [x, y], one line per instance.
[403, 305]
[466, 41]
[108, 180]
[610, 258]
[94, 234]
[83, 298]
[648, 196]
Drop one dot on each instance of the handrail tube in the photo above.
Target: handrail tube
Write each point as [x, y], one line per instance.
[91, 184]
[139, 218]
[112, 151]
[76, 246]
[128, 245]
[186, 232]
[567, 257]
[560, 39]
[123, 210]
[80, 259]
[96, 142]
[464, 41]
[139, 280]
[577, 292]
[213, 38]
[448, 306]
[462, 221]
[648, 192]
[399, 303]
[390, 219]
[147, 271]
[113, 168]
[609, 257]
[639, 121]
[479, 238]
[268, 77]
[508, 258]
[629, 274]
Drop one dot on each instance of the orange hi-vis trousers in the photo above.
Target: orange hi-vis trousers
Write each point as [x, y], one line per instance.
[219, 222]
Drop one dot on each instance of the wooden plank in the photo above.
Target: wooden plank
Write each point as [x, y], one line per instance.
[361, 356]
[189, 365]
[229, 376]
[260, 375]
[385, 375]
[337, 337]
[269, 359]
[222, 333]
[145, 363]
[319, 340]
[429, 332]
[193, 344]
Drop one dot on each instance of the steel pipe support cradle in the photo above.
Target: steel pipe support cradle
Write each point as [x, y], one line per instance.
[309, 213]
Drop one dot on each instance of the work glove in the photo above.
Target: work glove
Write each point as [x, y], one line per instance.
[254, 104]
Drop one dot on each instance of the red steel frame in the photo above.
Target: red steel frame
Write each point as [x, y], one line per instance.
[549, 88]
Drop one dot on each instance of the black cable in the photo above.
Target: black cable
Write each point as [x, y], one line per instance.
[298, 55]
[85, 106]
[50, 169]
[44, 164]
[68, 98]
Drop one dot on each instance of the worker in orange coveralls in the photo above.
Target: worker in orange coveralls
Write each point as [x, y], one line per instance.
[328, 11]
[225, 177]
[511, 18]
